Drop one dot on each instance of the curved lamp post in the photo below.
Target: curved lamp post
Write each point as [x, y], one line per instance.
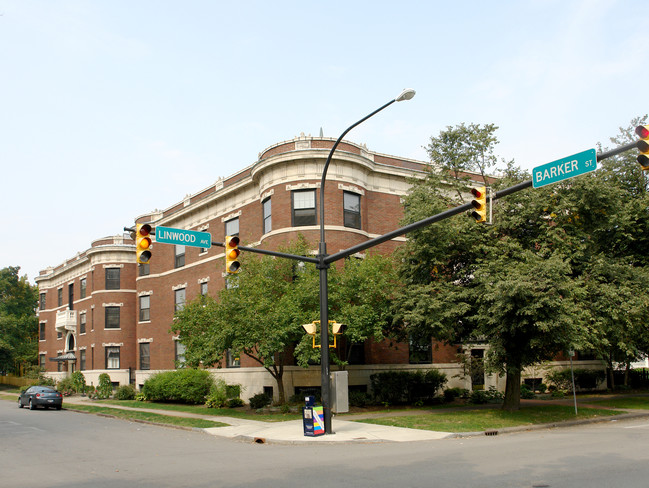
[324, 266]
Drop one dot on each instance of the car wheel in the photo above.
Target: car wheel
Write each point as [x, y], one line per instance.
[20, 404]
[31, 405]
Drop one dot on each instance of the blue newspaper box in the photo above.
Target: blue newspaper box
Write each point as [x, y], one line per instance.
[312, 418]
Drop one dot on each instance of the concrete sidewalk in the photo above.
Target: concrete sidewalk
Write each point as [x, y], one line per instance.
[291, 432]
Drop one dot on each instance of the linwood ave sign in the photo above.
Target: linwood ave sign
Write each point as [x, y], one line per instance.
[169, 235]
[564, 168]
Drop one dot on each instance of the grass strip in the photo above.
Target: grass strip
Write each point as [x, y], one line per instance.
[148, 416]
[203, 410]
[480, 420]
[640, 403]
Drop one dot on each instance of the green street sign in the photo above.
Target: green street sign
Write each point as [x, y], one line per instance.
[169, 235]
[564, 168]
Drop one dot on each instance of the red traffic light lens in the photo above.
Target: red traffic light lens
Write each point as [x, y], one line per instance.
[476, 193]
[642, 131]
[145, 230]
[233, 242]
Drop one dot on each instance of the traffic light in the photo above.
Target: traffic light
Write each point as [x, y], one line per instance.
[479, 202]
[643, 146]
[143, 243]
[232, 264]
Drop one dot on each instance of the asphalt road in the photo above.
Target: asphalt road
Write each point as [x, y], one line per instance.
[67, 449]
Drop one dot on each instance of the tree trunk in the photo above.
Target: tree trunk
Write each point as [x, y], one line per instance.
[277, 372]
[512, 400]
[611, 376]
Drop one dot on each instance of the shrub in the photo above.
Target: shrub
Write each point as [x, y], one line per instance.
[358, 399]
[235, 402]
[260, 400]
[526, 393]
[393, 387]
[45, 380]
[585, 379]
[65, 386]
[490, 396]
[217, 397]
[125, 392]
[78, 382]
[451, 394]
[105, 388]
[221, 394]
[184, 386]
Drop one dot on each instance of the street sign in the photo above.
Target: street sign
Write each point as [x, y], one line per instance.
[169, 235]
[564, 168]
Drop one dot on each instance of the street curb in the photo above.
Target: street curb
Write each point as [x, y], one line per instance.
[552, 425]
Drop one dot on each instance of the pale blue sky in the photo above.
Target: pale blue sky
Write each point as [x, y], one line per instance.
[95, 92]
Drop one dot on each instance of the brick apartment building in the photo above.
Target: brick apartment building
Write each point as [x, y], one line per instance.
[100, 312]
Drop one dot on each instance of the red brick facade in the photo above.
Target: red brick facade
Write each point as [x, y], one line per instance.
[379, 180]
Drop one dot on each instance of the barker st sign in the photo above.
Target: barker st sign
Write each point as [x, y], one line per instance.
[564, 168]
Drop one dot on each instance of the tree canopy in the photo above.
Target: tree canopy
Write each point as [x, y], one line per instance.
[261, 312]
[538, 280]
[18, 322]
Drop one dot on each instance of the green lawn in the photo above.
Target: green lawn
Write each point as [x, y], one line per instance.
[641, 402]
[148, 416]
[244, 413]
[480, 420]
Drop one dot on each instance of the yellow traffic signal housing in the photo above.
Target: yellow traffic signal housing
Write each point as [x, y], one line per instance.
[643, 146]
[143, 243]
[479, 203]
[232, 264]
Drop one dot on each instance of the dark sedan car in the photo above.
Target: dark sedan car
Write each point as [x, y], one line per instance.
[40, 396]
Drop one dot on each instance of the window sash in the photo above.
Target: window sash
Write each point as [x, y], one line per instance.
[82, 289]
[112, 318]
[304, 208]
[145, 355]
[180, 354]
[112, 278]
[179, 261]
[179, 299]
[112, 357]
[145, 308]
[352, 210]
[268, 221]
[232, 227]
[82, 323]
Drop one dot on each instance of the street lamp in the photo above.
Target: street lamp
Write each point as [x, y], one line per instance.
[323, 266]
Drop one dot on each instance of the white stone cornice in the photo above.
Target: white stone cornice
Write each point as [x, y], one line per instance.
[351, 188]
[231, 216]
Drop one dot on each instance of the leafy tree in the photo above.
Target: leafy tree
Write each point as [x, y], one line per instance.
[562, 267]
[262, 311]
[510, 284]
[18, 322]
[462, 149]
